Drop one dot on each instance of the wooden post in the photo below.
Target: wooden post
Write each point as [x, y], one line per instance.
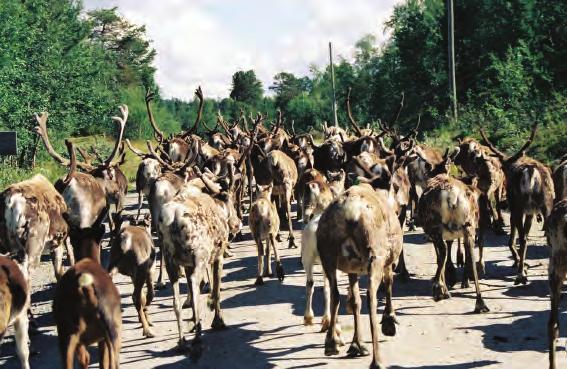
[451, 52]
[335, 119]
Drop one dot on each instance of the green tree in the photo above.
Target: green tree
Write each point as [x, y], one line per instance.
[287, 86]
[246, 87]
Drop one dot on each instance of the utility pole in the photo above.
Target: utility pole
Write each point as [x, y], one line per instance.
[451, 51]
[335, 119]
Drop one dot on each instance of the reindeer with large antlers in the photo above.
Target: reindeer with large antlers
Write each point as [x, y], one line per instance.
[87, 193]
[530, 192]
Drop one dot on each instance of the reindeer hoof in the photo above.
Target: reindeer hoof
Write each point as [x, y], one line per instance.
[228, 254]
[325, 323]
[404, 277]
[147, 333]
[308, 320]
[521, 279]
[160, 286]
[280, 272]
[480, 306]
[259, 281]
[279, 237]
[389, 325]
[331, 348]
[465, 283]
[218, 324]
[374, 365]
[440, 292]
[292, 244]
[267, 274]
[357, 350]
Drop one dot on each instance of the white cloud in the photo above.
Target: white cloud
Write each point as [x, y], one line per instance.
[205, 41]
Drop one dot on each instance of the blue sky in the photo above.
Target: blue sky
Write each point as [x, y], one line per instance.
[205, 41]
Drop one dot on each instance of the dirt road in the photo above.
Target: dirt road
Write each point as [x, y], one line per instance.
[266, 323]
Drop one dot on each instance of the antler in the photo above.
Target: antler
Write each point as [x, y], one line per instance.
[398, 112]
[86, 156]
[157, 133]
[252, 139]
[414, 130]
[41, 130]
[134, 150]
[244, 121]
[208, 183]
[199, 94]
[350, 117]
[122, 124]
[157, 157]
[73, 164]
[522, 151]
[490, 145]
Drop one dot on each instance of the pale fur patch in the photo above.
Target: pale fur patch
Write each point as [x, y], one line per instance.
[15, 215]
[530, 183]
[79, 209]
[85, 279]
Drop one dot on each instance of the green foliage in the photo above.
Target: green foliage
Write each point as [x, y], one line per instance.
[246, 87]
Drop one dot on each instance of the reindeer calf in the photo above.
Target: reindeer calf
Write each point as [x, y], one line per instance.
[132, 253]
[264, 225]
[86, 309]
[14, 303]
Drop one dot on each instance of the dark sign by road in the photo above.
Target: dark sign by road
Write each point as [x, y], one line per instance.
[8, 143]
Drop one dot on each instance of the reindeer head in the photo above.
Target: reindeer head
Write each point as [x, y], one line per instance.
[265, 191]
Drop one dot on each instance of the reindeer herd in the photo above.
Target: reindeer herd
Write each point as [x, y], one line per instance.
[353, 192]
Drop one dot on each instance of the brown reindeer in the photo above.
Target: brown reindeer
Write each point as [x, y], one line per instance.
[359, 233]
[449, 210]
[132, 253]
[195, 228]
[31, 219]
[284, 176]
[87, 193]
[264, 224]
[86, 309]
[14, 303]
[530, 191]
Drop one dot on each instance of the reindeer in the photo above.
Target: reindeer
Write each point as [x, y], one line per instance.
[195, 233]
[86, 309]
[448, 210]
[475, 160]
[530, 191]
[14, 304]
[284, 176]
[88, 193]
[148, 171]
[264, 224]
[132, 253]
[359, 233]
[31, 219]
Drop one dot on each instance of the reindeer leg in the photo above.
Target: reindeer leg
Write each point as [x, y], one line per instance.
[389, 320]
[309, 287]
[523, 233]
[57, 259]
[374, 279]
[194, 279]
[70, 252]
[150, 293]
[160, 285]
[480, 306]
[139, 300]
[484, 223]
[460, 256]
[103, 355]
[260, 274]
[332, 339]
[21, 326]
[450, 271]
[279, 268]
[140, 202]
[440, 291]
[218, 321]
[268, 271]
[515, 224]
[498, 225]
[556, 279]
[356, 347]
[291, 238]
[401, 268]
